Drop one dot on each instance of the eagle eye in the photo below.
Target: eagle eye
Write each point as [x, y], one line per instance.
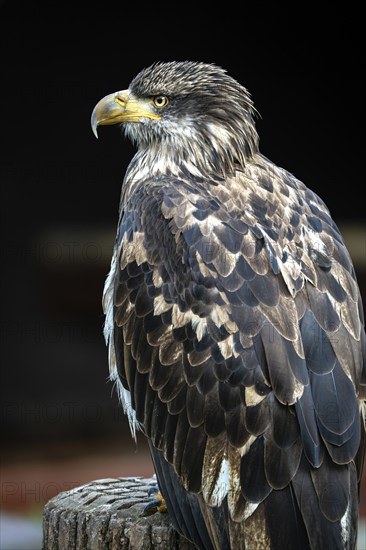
[160, 101]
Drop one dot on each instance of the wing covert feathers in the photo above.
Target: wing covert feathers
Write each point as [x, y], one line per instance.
[236, 337]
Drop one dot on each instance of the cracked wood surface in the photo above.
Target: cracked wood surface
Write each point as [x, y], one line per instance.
[107, 514]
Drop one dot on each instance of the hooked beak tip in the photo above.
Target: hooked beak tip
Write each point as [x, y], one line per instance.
[94, 123]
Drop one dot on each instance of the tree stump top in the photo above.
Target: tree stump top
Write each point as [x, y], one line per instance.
[107, 514]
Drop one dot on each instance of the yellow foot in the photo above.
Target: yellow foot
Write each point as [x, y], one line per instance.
[156, 505]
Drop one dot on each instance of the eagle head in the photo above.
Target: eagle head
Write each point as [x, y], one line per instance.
[185, 112]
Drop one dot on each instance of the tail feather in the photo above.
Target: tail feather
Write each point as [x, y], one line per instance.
[292, 534]
[183, 507]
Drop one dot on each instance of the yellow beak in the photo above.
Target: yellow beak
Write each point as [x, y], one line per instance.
[120, 107]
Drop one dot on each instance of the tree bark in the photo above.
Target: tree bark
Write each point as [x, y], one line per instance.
[107, 514]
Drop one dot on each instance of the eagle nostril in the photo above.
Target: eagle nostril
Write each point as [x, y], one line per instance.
[120, 101]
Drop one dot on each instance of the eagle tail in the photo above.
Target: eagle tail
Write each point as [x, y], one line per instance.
[207, 532]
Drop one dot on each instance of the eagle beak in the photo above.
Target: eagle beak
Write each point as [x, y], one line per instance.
[120, 107]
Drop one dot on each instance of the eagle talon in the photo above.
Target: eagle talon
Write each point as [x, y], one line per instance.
[153, 491]
[156, 505]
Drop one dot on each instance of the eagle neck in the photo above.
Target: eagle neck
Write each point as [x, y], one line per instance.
[171, 158]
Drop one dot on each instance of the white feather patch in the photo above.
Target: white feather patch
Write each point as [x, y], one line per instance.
[160, 305]
[199, 325]
[222, 484]
[220, 316]
[245, 448]
[108, 311]
[215, 492]
[157, 280]
[215, 471]
[180, 318]
[346, 524]
[316, 244]
[125, 398]
[252, 398]
[227, 347]
[250, 508]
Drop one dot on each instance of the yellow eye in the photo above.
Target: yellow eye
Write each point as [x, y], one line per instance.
[160, 101]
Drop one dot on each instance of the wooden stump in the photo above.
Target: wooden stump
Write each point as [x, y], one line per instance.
[107, 514]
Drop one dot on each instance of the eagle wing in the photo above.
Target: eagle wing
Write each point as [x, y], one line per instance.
[236, 337]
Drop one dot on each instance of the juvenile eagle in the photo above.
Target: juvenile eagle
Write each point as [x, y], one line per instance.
[234, 322]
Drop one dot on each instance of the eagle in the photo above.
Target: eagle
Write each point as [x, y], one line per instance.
[234, 322]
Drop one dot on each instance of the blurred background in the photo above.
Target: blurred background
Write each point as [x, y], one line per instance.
[61, 422]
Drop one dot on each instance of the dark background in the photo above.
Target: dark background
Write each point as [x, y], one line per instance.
[60, 191]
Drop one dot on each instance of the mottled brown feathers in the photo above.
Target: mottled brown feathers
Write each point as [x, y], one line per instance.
[235, 327]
